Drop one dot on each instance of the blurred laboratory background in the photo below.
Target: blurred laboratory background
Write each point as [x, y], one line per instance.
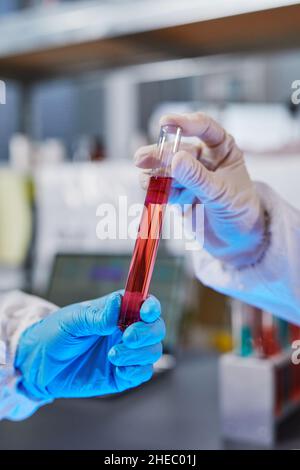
[86, 83]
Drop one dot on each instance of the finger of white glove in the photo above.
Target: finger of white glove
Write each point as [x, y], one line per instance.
[193, 175]
[197, 125]
[147, 157]
[217, 146]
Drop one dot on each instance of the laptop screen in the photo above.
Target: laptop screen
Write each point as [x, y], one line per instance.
[78, 277]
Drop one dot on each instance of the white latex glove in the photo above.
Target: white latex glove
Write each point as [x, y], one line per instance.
[213, 172]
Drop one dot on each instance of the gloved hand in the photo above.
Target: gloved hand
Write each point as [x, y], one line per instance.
[213, 172]
[79, 351]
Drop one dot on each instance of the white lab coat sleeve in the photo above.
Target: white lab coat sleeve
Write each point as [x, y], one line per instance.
[273, 283]
[17, 312]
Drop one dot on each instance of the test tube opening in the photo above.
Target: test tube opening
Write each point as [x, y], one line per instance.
[167, 146]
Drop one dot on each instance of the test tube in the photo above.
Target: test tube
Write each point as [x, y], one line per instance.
[271, 345]
[246, 329]
[149, 232]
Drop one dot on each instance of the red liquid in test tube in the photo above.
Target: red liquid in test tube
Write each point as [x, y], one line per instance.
[149, 233]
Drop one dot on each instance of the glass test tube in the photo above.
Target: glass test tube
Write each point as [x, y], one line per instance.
[149, 232]
[270, 335]
[246, 329]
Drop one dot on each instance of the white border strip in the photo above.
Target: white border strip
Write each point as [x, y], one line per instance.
[2, 92]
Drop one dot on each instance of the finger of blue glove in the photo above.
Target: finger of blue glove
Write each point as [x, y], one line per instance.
[135, 374]
[110, 315]
[121, 355]
[98, 317]
[150, 310]
[144, 334]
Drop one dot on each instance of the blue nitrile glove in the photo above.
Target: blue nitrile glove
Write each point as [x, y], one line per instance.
[79, 351]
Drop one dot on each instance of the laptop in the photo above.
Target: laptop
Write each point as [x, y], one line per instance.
[77, 277]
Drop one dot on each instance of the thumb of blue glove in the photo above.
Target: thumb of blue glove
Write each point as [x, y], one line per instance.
[98, 317]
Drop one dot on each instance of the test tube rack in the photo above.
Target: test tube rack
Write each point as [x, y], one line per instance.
[256, 395]
[257, 391]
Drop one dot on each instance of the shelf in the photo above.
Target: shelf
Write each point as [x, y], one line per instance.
[68, 39]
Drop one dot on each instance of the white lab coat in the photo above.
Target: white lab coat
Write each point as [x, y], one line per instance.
[17, 312]
[273, 284]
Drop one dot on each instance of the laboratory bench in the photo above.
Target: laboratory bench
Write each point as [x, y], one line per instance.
[177, 410]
